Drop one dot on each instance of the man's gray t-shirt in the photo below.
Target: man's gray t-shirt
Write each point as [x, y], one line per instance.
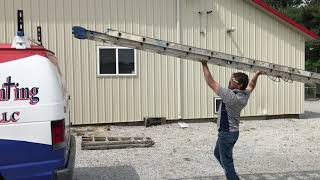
[233, 101]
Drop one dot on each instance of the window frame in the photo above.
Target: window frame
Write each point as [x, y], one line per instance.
[117, 74]
[216, 108]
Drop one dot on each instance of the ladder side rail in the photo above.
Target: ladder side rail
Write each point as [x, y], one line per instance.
[216, 61]
[210, 54]
[198, 54]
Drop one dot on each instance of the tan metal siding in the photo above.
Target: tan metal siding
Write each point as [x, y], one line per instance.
[258, 36]
[107, 99]
[145, 94]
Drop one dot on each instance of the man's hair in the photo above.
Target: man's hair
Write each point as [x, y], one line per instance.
[242, 78]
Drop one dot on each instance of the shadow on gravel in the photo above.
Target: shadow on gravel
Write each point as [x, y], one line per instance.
[112, 173]
[309, 115]
[304, 175]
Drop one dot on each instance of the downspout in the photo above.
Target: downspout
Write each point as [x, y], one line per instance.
[179, 80]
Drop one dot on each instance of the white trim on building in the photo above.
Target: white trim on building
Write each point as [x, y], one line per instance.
[117, 67]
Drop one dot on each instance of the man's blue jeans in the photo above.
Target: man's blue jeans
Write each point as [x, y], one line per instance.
[223, 153]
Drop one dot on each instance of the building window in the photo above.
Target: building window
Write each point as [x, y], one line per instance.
[217, 102]
[116, 61]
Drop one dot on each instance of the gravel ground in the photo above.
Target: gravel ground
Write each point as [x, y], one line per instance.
[269, 149]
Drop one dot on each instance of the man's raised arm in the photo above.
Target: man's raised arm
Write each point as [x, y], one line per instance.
[253, 81]
[214, 85]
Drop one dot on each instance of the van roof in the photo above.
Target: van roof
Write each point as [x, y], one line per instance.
[7, 53]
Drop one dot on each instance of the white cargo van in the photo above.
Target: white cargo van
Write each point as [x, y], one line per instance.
[35, 140]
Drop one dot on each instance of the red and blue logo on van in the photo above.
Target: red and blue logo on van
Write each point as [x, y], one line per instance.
[20, 93]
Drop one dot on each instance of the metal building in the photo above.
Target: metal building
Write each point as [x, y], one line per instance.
[155, 85]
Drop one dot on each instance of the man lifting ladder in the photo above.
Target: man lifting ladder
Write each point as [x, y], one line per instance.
[234, 99]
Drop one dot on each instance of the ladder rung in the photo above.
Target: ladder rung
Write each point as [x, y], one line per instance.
[197, 54]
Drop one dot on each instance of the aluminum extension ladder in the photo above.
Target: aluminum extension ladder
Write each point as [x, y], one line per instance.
[197, 54]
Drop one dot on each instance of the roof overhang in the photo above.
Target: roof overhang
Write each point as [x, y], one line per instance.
[285, 19]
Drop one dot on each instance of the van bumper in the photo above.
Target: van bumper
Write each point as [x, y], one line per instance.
[67, 173]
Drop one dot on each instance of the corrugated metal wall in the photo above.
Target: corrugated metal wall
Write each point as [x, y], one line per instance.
[161, 86]
[258, 36]
[107, 99]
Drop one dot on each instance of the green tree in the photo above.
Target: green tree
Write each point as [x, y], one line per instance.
[311, 19]
[283, 4]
